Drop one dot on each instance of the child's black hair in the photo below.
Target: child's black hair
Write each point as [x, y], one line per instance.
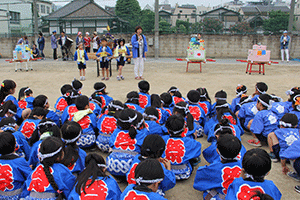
[71, 132]
[144, 86]
[103, 39]
[100, 88]
[146, 171]
[65, 88]
[94, 168]
[37, 111]
[167, 99]
[223, 107]
[51, 145]
[156, 101]
[229, 147]
[8, 106]
[261, 87]
[295, 99]
[175, 125]
[96, 99]
[8, 122]
[276, 98]
[81, 102]
[193, 96]
[153, 146]
[240, 90]
[70, 96]
[256, 163]
[24, 92]
[204, 95]
[182, 108]
[7, 143]
[114, 108]
[245, 99]
[40, 101]
[121, 40]
[130, 120]
[291, 92]
[6, 86]
[151, 113]
[265, 100]
[45, 126]
[289, 120]
[133, 97]
[76, 85]
[173, 89]
[261, 196]
[223, 128]
[221, 95]
[177, 94]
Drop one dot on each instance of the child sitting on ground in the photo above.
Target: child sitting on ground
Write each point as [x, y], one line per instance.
[256, 165]
[240, 91]
[61, 103]
[133, 101]
[144, 98]
[260, 88]
[151, 117]
[25, 98]
[100, 90]
[205, 101]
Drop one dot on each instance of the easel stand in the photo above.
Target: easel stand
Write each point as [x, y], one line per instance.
[261, 66]
[195, 62]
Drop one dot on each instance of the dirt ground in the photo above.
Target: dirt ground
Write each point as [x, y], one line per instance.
[48, 76]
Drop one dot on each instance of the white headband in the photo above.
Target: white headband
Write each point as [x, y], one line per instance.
[245, 101]
[46, 102]
[220, 98]
[176, 132]
[236, 158]
[95, 100]
[150, 116]
[260, 91]
[287, 125]
[191, 101]
[140, 123]
[223, 105]
[49, 155]
[204, 95]
[46, 123]
[115, 106]
[12, 112]
[186, 108]
[295, 97]
[130, 120]
[130, 99]
[68, 141]
[26, 90]
[221, 128]
[174, 90]
[269, 106]
[238, 94]
[100, 89]
[141, 180]
[102, 165]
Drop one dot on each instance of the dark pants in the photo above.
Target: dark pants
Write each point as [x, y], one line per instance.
[64, 52]
[88, 49]
[54, 54]
[42, 53]
[297, 166]
[95, 50]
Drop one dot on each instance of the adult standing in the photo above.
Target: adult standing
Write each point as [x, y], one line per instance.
[54, 44]
[41, 45]
[95, 42]
[87, 42]
[79, 39]
[23, 40]
[139, 51]
[62, 43]
[284, 45]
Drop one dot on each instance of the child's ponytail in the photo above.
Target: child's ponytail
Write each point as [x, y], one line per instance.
[132, 132]
[190, 121]
[182, 108]
[130, 120]
[6, 86]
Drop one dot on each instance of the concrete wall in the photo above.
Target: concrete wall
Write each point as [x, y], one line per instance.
[217, 46]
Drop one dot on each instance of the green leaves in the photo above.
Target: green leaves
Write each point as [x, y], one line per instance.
[278, 21]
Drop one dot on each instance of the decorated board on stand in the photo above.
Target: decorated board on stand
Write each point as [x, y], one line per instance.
[196, 50]
[22, 52]
[259, 53]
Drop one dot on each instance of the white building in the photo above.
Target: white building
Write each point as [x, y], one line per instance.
[21, 14]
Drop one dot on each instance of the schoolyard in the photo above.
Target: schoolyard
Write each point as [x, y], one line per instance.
[48, 76]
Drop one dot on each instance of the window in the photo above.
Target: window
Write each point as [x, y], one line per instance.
[48, 10]
[43, 9]
[185, 16]
[14, 17]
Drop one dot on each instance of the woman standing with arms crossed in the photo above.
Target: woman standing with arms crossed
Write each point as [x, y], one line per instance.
[139, 51]
[54, 44]
[41, 43]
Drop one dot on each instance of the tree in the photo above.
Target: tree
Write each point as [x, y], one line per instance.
[164, 27]
[130, 11]
[278, 21]
[196, 27]
[241, 27]
[183, 26]
[182, 29]
[212, 25]
[147, 20]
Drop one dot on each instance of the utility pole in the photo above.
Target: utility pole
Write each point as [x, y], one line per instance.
[8, 21]
[156, 31]
[291, 19]
[35, 19]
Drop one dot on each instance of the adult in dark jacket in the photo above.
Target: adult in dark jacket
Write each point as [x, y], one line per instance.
[62, 42]
[41, 44]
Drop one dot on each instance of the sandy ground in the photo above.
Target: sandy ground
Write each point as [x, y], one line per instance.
[48, 76]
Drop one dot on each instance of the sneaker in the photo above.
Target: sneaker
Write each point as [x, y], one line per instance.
[122, 77]
[142, 78]
[107, 79]
[294, 176]
[297, 188]
[254, 142]
[83, 78]
[80, 78]
[273, 157]
[195, 161]
[118, 78]
[103, 78]
[137, 78]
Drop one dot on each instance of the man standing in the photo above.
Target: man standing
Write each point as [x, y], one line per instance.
[62, 43]
[41, 43]
[284, 45]
[54, 44]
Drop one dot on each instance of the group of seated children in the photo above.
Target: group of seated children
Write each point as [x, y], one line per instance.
[151, 141]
